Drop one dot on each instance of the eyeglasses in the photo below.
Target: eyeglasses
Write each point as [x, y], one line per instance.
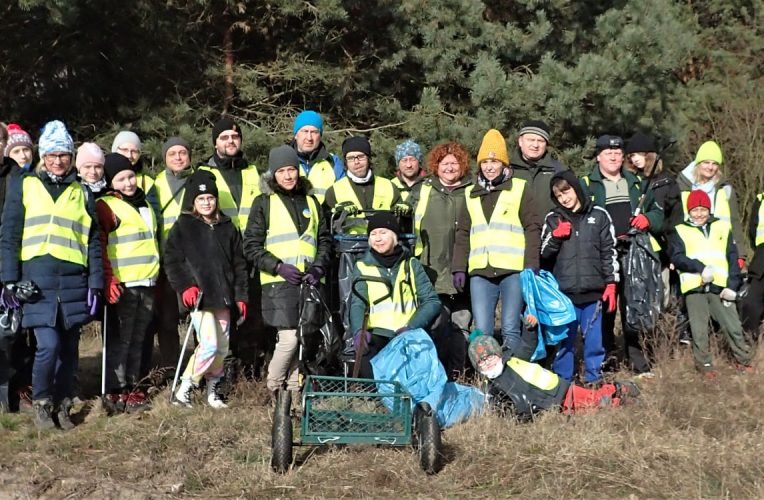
[62, 157]
[229, 137]
[355, 158]
[128, 151]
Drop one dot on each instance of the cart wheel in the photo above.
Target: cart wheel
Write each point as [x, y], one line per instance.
[281, 433]
[428, 439]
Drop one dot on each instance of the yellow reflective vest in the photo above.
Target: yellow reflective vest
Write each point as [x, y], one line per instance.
[250, 188]
[390, 309]
[711, 251]
[382, 200]
[144, 181]
[283, 241]
[760, 226]
[499, 242]
[169, 205]
[534, 374]
[421, 209]
[132, 247]
[403, 188]
[321, 177]
[60, 229]
[720, 205]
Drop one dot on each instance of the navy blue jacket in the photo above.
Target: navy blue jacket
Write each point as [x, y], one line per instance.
[64, 285]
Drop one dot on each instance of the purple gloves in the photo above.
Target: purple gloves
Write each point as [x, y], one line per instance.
[290, 273]
[361, 340]
[313, 276]
[459, 280]
[94, 299]
[8, 297]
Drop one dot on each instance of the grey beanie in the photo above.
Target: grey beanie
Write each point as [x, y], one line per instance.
[282, 156]
[174, 141]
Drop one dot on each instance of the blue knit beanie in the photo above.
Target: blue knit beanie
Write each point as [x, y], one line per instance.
[55, 139]
[408, 148]
[308, 117]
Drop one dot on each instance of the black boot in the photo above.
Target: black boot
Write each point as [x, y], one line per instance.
[63, 415]
[43, 414]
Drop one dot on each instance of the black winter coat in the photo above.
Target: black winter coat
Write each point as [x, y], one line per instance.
[208, 256]
[280, 300]
[586, 262]
[64, 285]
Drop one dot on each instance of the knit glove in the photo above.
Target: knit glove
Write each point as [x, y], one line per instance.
[609, 297]
[729, 295]
[8, 297]
[707, 275]
[348, 207]
[290, 273]
[401, 210]
[94, 299]
[113, 290]
[563, 230]
[640, 222]
[313, 276]
[459, 280]
[190, 295]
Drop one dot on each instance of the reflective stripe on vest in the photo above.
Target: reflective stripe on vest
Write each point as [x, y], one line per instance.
[250, 188]
[145, 182]
[760, 227]
[389, 309]
[711, 251]
[534, 374]
[500, 242]
[421, 209]
[382, 200]
[171, 205]
[720, 205]
[283, 241]
[60, 229]
[132, 246]
[321, 177]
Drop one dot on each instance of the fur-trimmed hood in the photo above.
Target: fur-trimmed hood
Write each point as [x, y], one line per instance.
[268, 185]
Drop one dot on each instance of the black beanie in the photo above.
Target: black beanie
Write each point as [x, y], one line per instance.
[641, 143]
[537, 127]
[282, 156]
[224, 124]
[174, 141]
[359, 144]
[385, 219]
[200, 182]
[115, 163]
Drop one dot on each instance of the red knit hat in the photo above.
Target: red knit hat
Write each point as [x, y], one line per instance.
[698, 198]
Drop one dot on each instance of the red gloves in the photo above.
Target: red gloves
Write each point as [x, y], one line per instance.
[640, 222]
[609, 297]
[242, 310]
[741, 263]
[113, 290]
[563, 230]
[190, 295]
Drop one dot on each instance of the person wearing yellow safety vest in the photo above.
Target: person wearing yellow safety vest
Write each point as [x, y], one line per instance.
[437, 202]
[361, 189]
[316, 163]
[50, 237]
[288, 240]
[392, 292]
[169, 186]
[498, 234]
[409, 167]
[704, 252]
[129, 237]
[128, 144]
[752, 311]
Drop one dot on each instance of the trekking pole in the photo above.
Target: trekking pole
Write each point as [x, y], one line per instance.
[103, 352]
[185, 342]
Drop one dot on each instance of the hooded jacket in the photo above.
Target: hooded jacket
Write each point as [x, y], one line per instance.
[230, 168]
[586, 262]
[280, 300]
[538, 175]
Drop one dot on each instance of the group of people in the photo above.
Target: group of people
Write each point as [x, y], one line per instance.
[97, 238]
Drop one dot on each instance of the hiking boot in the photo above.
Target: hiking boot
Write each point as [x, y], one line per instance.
[627, 392]
[213, 396]
[43, 414]
[136, 402]
[113, 403]
[184, 394]
[63, 415]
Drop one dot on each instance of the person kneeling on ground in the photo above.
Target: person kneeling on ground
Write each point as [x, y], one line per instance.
[391, 287]
[525, 389]
[205, 265]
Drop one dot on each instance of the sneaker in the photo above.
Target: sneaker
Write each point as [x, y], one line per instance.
[63, 415]
[184, 393]
[113, 403]
[43, 414]
[136, 402]
[213, 396]
[685, 338]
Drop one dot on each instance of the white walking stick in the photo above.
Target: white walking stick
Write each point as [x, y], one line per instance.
[103, 353]
[183, 349]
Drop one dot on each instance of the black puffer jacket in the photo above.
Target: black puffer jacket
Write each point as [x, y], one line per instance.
[584, 263]
[280, 300]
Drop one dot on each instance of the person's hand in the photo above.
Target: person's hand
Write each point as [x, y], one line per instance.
[531, 320]
[348, 207]
[459, 280]
[361, 340]
[563, 230]
[94, 299]
[741, 263]
[401, 210]
[8, 297]
[313, 276]
[640, 222]
[190, 295]
[242, 310]
[729, 295]
[113, 290]
[707, 275]
[609, 297]
[290, 273]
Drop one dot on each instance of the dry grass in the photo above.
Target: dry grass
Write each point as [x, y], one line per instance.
[686, 439]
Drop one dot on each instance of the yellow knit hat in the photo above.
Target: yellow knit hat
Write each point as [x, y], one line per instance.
[494, 147]
[709, 150]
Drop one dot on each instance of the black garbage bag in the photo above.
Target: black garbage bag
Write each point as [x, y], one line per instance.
[319, 341]
[643, 286]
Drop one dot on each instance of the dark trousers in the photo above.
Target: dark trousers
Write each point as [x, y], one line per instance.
[55, 363]
[376, 344]
[450, 331]
[752, 310]
[165, 323]
[128, 321]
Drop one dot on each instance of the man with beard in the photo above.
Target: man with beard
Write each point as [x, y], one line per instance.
[316, 163]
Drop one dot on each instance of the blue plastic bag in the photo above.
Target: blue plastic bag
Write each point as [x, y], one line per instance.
[550, 306]
[411, 360]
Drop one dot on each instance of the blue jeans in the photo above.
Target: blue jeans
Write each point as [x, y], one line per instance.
[55, 363]
[485, 293]
[590, 321]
